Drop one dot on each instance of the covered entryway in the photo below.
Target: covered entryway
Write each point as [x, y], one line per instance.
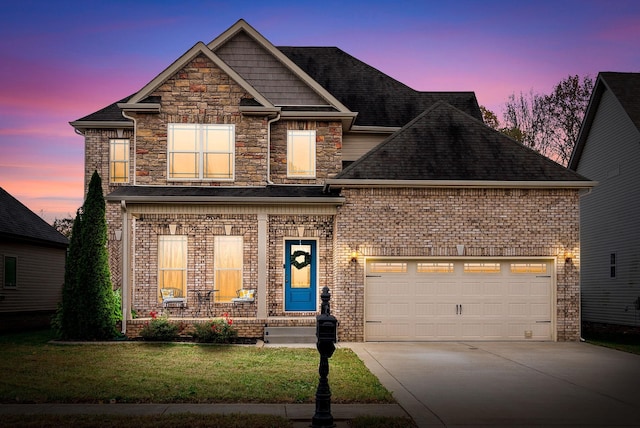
[422, 300]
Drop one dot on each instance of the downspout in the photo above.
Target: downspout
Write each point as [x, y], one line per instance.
[275, 119]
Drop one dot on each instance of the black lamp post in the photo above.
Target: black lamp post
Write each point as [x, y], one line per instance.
[326, 333]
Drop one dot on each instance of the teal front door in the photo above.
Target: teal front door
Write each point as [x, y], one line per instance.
[300, 275]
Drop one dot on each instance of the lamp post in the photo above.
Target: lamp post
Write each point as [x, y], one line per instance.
[326, 333]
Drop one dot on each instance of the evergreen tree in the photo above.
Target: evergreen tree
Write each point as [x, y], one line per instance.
[89, 309]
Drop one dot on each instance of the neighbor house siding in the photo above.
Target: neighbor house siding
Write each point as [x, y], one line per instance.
[609, 217]
[432, 222]
[40, 275]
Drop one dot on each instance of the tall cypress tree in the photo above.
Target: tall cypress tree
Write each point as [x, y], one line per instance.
[89, 309]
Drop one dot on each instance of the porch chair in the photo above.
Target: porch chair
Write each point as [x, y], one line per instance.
[172, 297]
[244, 296]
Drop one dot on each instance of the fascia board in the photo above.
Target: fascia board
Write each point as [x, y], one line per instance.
[141, 107]
[477, 184]
[198, 48]
[375, 129]
[226, 200]
[93, 124]
[259, 111]
[347, 118]
[252, 32]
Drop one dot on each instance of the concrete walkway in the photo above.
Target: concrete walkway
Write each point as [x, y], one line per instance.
[500, 384]
[300, 414]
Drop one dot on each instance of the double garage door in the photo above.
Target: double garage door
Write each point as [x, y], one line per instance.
[422, 300]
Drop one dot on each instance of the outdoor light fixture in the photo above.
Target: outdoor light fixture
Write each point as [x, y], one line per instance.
[354, 256]
[568, 257]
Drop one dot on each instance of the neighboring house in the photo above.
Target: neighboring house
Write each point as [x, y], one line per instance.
[32, 260]
[286, 169]
[608, 151]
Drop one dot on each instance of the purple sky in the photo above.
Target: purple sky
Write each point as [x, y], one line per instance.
[61, 60]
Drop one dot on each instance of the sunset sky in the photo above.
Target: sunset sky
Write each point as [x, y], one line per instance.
[61, 60]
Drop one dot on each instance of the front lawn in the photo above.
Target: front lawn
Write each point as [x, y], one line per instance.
[37, 371]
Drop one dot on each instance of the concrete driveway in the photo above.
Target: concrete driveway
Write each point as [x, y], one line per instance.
[474, 384]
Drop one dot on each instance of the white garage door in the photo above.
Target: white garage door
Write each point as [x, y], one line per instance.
[421, 300]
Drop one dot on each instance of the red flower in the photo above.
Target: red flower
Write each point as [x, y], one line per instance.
[153, 314]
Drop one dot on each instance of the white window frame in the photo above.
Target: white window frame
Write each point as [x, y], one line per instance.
[293, 136]
[219, 240]
[200, 143]
[113, 160]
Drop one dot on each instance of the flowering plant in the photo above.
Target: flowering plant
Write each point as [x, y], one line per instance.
[215, 331]
[160, 329]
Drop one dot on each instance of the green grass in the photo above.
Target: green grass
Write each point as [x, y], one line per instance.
[139, 372]
[626, 343]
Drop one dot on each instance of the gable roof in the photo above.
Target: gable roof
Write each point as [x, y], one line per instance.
[349, 86]
[19, 223]
[379, 99]
[626, 88]
[444, 144]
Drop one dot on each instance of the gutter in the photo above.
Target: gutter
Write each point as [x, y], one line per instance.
[229, 200]
[471, 184]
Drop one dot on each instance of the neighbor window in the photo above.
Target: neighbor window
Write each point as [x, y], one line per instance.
[119, 160]
[10, 271]
[227, 264]
[200, 152]
[301, 154]
[612, 265]
[172, 264]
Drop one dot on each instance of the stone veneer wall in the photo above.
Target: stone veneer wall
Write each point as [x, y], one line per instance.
[427, 222]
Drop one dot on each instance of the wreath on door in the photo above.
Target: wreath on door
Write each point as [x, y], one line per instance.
[300, 264]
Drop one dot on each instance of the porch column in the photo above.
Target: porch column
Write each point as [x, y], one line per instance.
[262, 265]
[126, 305]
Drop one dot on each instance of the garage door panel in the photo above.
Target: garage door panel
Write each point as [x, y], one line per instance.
[488, 301]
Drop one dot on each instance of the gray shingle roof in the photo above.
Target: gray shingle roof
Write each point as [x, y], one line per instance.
[212, 193]
[379, 99]
[444, 143]
[19, 224]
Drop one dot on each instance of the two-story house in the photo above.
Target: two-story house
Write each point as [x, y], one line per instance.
[246, 166]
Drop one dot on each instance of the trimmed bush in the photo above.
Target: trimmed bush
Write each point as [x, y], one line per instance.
[215, 331]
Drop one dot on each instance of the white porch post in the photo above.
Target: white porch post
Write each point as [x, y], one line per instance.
[262, 265]
[126, 304]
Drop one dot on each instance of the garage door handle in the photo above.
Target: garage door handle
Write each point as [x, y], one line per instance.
[543, 322]
[458, 309]
[374, 276]
[377, 322]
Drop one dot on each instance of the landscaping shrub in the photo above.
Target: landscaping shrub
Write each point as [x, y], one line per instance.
[215, 331]
[161, 329]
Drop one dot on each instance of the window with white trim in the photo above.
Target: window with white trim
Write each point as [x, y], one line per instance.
[172, 263]
[119, 160]
[227, 265]
[200, 151]
[301, 154]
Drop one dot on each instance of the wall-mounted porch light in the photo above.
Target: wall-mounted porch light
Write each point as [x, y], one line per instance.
[354, 256]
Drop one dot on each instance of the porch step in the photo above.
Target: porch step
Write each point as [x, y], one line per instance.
[289, 335]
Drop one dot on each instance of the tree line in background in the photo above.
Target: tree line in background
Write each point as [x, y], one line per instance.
[547, 123]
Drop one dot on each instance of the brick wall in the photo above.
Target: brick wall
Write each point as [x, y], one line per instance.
[431, 222]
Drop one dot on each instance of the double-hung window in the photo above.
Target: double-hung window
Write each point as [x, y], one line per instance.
[119, 160]
[227, 264]
[172, 263]
[301, 154]
[200, 151]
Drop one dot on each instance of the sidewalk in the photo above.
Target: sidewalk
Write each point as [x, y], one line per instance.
[300, 414]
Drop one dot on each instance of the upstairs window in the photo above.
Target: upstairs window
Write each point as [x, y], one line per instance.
[301, 154]
[612, 265]
[200, 152]
[119, 160]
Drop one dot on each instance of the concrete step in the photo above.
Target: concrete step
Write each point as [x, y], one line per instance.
[289, 335]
